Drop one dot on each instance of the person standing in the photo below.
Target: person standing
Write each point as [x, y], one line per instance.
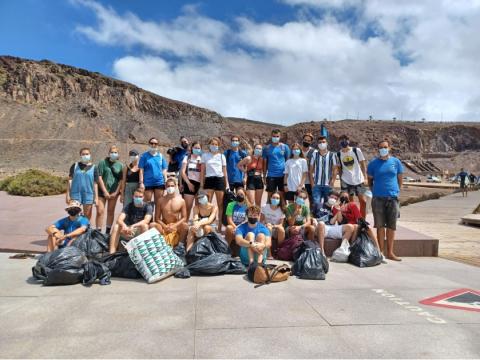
[190, 173]
[352, 167]
[296, 171]
[275, 156]
[253, 166]
[323, 172]
[82, 184]
[308, 151]
[385, 181]
[131, 178]
[463, 175]
[153, 172]
[110, 173]
[233, 156]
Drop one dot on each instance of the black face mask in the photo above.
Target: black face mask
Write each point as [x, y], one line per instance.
[240, 198]
[252, 220]
[185, 145]
[306, 144]
[73, 212]
[343, 199]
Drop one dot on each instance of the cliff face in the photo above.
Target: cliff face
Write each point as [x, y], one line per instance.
[49, 111]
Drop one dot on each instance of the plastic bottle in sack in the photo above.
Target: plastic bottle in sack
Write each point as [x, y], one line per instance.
[199, 232]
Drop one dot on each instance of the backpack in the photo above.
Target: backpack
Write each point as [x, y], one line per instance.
[288, 247]
[355, 151]
[261, 274]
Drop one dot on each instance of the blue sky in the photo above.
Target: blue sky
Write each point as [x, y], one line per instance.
[274, 60]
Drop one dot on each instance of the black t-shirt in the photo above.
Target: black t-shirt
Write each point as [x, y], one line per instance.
[84, 167]
[134, 214]
[324, 213]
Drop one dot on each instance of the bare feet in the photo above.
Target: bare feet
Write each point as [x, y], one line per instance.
[393, 257]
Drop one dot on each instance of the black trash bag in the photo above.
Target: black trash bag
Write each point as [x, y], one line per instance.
[183, 273]
[94, 270]
[180, 251]
[93, 243]
[214, 264]
[310, 262]
[363, 252]
[228, 197]
[61, 267]
[120, 265]
[207, 245]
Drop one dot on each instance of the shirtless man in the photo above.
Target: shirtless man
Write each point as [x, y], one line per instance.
[172, 213]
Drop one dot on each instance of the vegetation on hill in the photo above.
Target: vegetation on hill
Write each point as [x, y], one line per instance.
[34, 183]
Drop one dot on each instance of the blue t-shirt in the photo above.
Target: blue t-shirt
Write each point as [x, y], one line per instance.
[68, 225]
[259, 228]
[235, 175]
[385, 176]
[153, 166]
[276, 157]
[179, 155]
[462, 175]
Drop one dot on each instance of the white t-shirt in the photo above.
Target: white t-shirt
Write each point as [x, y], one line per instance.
[193, 167]
[295, 169]
[351, 171]
[213, 164]
[274, 217]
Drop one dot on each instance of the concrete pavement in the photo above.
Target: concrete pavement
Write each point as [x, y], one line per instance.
[348, 315]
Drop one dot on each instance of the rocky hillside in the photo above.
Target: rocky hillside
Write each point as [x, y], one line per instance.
[48, 111]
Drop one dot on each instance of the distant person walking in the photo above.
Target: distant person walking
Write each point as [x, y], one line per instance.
[131, 178]
[472, 179]
[352, 168]
[385, 180]
[82, 183]
[463, 176]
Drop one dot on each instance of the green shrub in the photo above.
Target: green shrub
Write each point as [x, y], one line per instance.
[34, 183]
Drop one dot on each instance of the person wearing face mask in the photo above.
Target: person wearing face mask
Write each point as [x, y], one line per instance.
[213, 176]
[204, 215]
[308, 151]
[72, 226]
[252, 165]
[131, 178]
[273, 217]
[171, 219]
[252, 237]
[190, 173]
[153, 173]
[298, 217]
[352, 168]
[385, 180]
[82, 184]
[296, 171]
[275, 156]
[177, 155]
[236, 214]
[110, 173]
[323, 172]
[132, 221]
[233, 156]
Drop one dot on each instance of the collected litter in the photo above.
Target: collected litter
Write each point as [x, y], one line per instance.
[363, 252]
[310, 262]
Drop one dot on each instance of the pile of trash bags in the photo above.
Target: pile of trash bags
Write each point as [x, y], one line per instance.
[310, 262]
[209, 255]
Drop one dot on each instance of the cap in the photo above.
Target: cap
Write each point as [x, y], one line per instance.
[74, 204]
[133, 152]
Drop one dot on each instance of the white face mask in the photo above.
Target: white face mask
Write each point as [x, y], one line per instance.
[133, 158]
[203, 200]
[322, 146]
[331, 201]
[170, 190]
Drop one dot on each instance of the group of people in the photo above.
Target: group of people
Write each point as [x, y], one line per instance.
[176, 195]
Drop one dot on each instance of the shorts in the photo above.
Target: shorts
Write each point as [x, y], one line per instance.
[186, 190]
[244, 256]
[216, 183]
[255, 182]
[83, 198]
[334, 232]
[235, 185]
[385, 212]
[156, 187]
[274, 184]
[463, 185]
[290, 195]
[359, 189]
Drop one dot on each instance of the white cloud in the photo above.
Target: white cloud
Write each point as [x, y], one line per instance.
[308, 69]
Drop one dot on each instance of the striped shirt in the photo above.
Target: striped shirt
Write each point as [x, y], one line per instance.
[323, 167]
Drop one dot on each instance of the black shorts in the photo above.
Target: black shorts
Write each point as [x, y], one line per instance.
[157, 187]
[255, 182]
[385, 212]
[186, 190]
[236, 185]
[274, 183]
[216, 183]
[290, 195]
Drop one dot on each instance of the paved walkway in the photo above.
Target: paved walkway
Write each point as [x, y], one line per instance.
[354, 313]
[441, 219]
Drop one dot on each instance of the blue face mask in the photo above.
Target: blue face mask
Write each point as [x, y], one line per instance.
[275, 139]
[383, 152]
[275, 202]
[85, 159]
[257, 152]
[197, 151]
[300, 201]
[296, 152]
[213, 148]
[138, 201]
[113, 156]
[235, 143]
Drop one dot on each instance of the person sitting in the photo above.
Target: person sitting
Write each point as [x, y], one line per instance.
[236, 214]
[72, 226]
[133, 220]
[298, 217]
[327, 224]
[272, 217]
[252, 238]
[171, 220]
[204, 215]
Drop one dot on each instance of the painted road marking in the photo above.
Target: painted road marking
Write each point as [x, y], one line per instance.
[462, 299]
